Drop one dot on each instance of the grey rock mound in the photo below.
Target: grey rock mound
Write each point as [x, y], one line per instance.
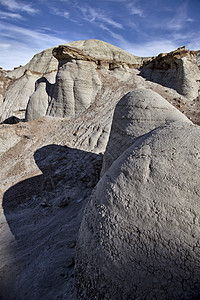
[39, 101]
[177, 69]
[79, 79]
[102, 50]
[44, 64]
[139, 238]
[77, 84]
[137, 113]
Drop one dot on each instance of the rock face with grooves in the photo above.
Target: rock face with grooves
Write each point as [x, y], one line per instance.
[39, 101]
[78, 79]
[139, 237]
[44, 64]
[140, 233]
[101, 50]
[137, 113]
[77, 83]
[177, 69]
[17, 95]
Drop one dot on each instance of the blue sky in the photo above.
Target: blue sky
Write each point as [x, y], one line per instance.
[141, 27]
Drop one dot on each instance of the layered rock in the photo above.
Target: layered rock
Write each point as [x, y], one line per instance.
[139, 237]
[78, 80]
[17, 96]
[22, 83]
[137, 113]
[44, 64]
[101, 59]
[177, 69]
[101, 50]
[39, 101]
[47, 174]
[77, 83]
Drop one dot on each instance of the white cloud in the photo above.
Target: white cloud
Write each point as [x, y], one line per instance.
[194, 45]
[148, 48]
[120, 1]
[134, 10]
[14, 5]
[152, 48]
[179, 20]
[19, 44]
[96, 15]
[10, 15]
[28, 36]
[62, 13]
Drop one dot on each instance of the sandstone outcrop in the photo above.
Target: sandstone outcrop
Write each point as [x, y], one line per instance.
[4, 85]
[17, 96]
[44, 64]
[38, 102]
[101, 50]
[77, 83]
[177, 69]
[139, 238]
[79, 79]
[22, 83]
[50, 166]
[103, 59]
[137, 113]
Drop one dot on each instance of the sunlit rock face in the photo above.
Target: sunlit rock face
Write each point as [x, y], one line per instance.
[177, 69]
[137, 113]
[77, 83]
[22, 81]
[79, 79]
[139, 237]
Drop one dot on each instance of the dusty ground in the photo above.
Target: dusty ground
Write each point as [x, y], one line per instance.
[40, 222]
[49, 168]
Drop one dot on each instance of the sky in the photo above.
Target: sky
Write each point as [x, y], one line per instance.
[141, 27]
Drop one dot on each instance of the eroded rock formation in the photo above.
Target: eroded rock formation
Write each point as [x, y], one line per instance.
[49, 167]
[96, 63]
[137, 113]
[139, 237]
[79, 78]
[177, 69]
[77, 83]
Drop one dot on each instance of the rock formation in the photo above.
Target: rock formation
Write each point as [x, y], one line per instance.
[107, 63]
[139, 237]
[39, 101]
[44, 64]
[177, 69]
[137, 113]
[79, 79]
[77, 83]
[50, 166]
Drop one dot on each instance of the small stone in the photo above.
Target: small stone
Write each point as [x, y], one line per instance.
[64, 202]
[90, 184]
[70, 262]
[71, 244]
[45, 204]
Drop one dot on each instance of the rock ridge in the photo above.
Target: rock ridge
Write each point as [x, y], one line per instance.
[138, 238]
[68, 53]
[178, 70]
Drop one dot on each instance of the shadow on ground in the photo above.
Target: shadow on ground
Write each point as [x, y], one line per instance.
[44, 214]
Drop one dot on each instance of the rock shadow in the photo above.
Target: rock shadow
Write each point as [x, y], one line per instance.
[49, 86]
[44, 214]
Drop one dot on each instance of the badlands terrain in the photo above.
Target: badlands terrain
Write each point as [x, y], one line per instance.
[100, 159]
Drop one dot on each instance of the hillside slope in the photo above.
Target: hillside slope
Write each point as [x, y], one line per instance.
[51, 164]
